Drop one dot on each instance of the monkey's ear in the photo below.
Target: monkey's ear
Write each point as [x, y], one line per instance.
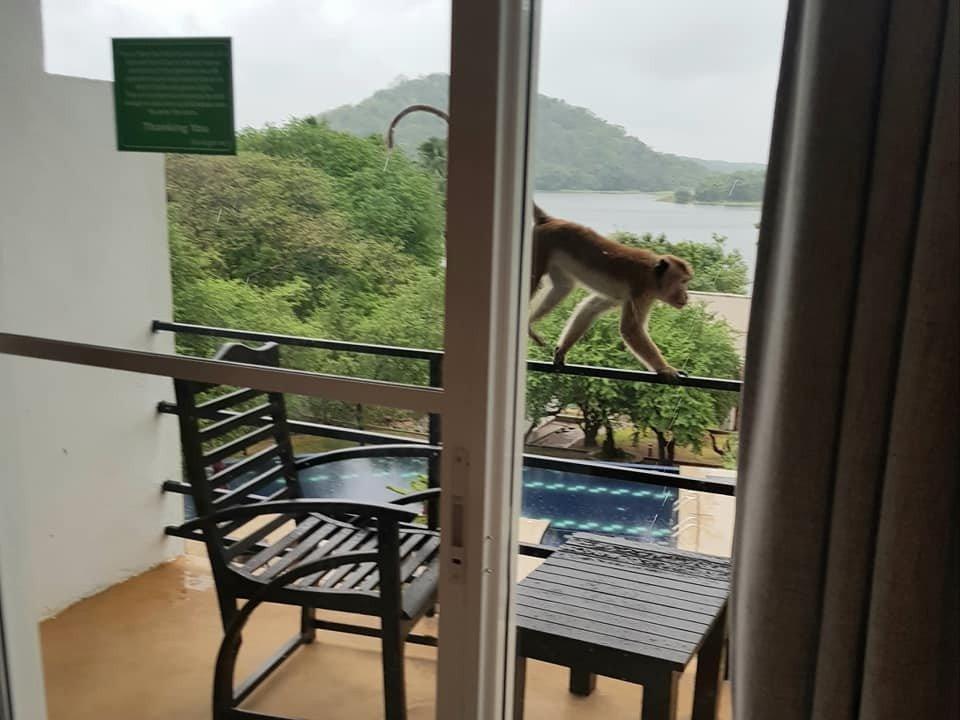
[661, 266]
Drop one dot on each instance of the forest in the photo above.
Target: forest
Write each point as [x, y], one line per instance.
[309, 231]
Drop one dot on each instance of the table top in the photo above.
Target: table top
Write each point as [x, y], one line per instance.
[648, 600]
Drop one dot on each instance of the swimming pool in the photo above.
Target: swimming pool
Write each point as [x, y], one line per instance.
[571, 502]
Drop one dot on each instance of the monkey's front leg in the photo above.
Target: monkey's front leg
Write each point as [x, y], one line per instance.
[582, 317]
[634, 332]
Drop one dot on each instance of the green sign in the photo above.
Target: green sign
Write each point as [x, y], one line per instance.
[174, 95]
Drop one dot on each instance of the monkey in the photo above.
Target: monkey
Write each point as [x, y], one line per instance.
[614, 274]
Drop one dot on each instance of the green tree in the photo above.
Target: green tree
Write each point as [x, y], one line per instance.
[306, 232]
[677, 415]
[432, 155]
[732, 455]
[271, 220]
[396, 202]
[692, 338]
[280, 239]
[741, 186]
[715, 269]
[413, 318]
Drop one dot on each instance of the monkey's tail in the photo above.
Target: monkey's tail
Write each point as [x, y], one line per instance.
[539, 216]
[406, 111]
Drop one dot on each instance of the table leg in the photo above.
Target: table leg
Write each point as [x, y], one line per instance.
[726, 657]
[707, 685]
[582, 682]
[660, 697]
[519, 686]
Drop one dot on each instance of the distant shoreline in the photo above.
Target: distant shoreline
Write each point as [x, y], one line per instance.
[602, 192]
[668, 196]
[660, 196]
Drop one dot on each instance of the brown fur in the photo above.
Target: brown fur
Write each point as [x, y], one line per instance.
[618, 275]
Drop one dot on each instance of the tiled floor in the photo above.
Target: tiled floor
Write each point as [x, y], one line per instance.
[144, 649]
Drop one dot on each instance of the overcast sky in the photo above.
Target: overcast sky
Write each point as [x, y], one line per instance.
[693, 77]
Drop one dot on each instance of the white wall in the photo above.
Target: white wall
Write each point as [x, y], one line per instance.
[83, 256]
[735, 309]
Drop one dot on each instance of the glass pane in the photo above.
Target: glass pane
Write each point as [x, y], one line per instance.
[315, 236]
[654, 134]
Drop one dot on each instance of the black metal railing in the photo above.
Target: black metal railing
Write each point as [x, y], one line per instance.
[434, 359]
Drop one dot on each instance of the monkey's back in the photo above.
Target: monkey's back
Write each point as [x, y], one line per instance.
[623, 263]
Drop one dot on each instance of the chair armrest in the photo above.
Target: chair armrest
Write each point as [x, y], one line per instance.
[422, 496]
[384, 511]
[367, 451]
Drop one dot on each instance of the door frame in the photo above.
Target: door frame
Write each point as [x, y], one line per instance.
[493, 83]
[6, 706]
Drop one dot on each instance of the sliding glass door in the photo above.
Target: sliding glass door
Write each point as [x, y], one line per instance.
[277, 217]
[487, 225]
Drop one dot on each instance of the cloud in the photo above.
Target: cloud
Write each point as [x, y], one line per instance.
[694, 78]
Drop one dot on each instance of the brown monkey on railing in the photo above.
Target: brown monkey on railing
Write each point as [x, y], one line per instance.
[615, 274]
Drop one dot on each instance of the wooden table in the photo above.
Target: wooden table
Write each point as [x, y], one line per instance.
[626, 610]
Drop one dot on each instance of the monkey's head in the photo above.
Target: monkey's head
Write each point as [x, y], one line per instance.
[673, 275]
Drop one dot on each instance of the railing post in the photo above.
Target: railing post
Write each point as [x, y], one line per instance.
[433, 437]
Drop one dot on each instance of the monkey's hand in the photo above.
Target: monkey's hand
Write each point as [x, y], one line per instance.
[559, 357]
[670, 373]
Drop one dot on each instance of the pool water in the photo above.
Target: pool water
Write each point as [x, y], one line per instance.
[570, 501]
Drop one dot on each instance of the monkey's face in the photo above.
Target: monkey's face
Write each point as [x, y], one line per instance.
[674, 275]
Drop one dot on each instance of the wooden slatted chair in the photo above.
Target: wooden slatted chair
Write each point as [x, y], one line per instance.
[266, 543]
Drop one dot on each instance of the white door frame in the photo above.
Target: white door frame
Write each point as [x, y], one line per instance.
[6, 706]
[491, 87]
[492, 84]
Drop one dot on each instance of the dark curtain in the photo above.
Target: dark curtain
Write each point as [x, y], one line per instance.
[846, 598]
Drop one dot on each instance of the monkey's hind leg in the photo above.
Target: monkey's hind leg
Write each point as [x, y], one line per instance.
[535, 336]
[583, 316]
[546, 300]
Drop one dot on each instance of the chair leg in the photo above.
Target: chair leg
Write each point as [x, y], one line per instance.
[660, 697]
[228, 609]
[308, 627]
[519, 687]
[223, 697]
[394, 683]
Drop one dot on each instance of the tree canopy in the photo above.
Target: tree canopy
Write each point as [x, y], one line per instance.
[741, 186]
[715, 269]
[310, 231]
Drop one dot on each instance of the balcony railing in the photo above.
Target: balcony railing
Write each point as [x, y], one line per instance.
[396, 445]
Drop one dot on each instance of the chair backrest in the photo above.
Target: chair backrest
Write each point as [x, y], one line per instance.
[236, 443]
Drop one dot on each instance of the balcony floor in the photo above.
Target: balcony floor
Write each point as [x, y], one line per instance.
[144, 649]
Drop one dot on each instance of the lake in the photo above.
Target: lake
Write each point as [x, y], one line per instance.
[643, 213]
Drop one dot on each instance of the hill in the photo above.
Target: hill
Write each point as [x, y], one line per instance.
[575, 149]
[727, 167]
